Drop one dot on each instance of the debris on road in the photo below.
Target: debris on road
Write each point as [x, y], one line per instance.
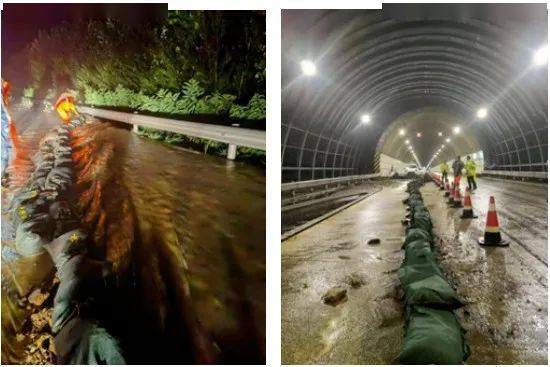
[335, 296]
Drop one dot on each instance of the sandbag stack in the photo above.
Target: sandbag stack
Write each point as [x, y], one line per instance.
[433, 334]
[46, 220]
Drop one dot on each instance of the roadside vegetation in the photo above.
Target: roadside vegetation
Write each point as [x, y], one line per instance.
[192, 63]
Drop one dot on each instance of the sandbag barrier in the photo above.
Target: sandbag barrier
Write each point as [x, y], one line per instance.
[433, 334]
[46, 220]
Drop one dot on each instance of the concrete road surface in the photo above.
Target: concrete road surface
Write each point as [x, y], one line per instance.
[505, 289]
[365, 327]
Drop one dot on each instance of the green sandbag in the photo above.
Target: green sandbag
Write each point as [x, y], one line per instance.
[417, 245]
[422, 221]
[433, 336]
[434, 292]
[420, 253]
[415, 234]
[62, 248]
[84, 342]
[412, 273]
[28, 243]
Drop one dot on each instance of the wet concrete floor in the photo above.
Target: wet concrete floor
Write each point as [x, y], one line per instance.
[366, 326]
[505, 289]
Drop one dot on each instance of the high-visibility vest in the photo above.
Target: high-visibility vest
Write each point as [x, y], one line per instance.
[470, 168]
[444, 167]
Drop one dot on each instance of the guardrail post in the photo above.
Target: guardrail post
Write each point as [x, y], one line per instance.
[232, 148]
[232, 152]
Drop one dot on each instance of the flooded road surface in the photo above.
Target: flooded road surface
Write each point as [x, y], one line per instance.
[366, 325]
[186, 234]
[191, 231]
[505, 289]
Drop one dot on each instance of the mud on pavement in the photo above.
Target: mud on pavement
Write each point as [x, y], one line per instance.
[504, 289]
[339, 282]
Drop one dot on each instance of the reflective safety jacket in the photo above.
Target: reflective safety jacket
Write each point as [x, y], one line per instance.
[470, 168]
[444, 167]
[65, 107]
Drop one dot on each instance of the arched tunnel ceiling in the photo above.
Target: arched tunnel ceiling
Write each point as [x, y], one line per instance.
[429, 122]
[385, 63]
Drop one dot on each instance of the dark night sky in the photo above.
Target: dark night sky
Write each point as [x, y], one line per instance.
[21, 22]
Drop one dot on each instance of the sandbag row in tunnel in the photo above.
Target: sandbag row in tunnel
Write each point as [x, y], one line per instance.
[389, 62]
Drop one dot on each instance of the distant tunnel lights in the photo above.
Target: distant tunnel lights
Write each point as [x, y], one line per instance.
[456, 129]
[440, 134]
[482, 113]
[308, 67]
[401, 132]
[407, 141]
[419, 135]
[365, 119]
[448, 140]
[541, 56]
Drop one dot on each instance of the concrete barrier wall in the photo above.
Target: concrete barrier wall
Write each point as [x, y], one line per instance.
[389, 165]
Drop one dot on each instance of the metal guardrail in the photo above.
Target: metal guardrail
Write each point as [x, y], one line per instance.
[527, 174]
[289, 186]
[234, 136]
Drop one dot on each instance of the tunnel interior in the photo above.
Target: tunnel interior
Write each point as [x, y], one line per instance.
[427, 130]
[421, 68]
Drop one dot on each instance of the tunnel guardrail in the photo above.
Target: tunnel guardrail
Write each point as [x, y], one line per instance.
[232, 135]
[298, 185]
[521, 174]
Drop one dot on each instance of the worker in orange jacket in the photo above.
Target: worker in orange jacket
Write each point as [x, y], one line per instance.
[65, 107]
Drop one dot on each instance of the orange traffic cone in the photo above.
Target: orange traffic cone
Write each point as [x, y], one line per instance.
[452, 195]
[492, 235]
[468, 212]
[447, 189]
[457, 202]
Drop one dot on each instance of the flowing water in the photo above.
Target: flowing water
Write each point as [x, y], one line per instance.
[186, 235]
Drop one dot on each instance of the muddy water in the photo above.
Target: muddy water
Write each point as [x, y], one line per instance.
[186, 233]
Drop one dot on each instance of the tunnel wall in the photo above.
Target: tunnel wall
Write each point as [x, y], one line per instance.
[392, 61]
[389, 165]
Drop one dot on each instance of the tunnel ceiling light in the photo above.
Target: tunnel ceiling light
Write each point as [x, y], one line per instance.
[442, 146]
[541, 56]
[482, 113]
[407, 141]
[401, 132]
[448, 140]
[365, 119]
[418, 134]
[308, 67]
[456, 129]
[440, 134]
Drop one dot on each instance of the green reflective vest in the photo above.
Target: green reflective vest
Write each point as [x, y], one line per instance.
[470, 168]
[444, 167]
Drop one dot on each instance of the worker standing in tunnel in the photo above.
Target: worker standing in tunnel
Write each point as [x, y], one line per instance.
[444, 168]
[471, 173]
[65, 107]
[458, 165]
[8, 130]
